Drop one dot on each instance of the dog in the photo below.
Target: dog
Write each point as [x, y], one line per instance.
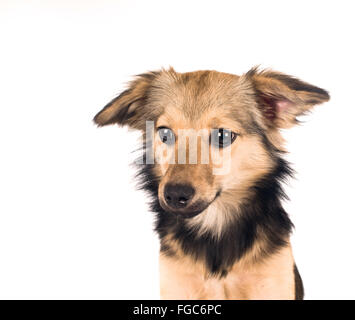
[223, 231]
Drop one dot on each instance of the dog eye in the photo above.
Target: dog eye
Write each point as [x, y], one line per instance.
[222, 137]
[166, 135]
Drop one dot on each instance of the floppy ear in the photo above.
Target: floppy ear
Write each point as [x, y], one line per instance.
[282, 98]
[129, 107]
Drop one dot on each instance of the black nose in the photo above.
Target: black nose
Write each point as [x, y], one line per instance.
[178, 195]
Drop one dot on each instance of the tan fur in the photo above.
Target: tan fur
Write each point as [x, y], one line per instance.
[272, 278]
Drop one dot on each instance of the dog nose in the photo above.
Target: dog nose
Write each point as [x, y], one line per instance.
[178, 196]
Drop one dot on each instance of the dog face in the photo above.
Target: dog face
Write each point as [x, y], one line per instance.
[213, 135]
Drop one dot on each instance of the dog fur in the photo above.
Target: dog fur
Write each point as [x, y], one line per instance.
[236, 245]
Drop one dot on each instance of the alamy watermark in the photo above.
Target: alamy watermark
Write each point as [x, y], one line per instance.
[185, 146]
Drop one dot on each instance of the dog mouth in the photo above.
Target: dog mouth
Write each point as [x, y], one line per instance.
[191, 211]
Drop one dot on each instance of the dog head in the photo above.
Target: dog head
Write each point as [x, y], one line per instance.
[210, 135]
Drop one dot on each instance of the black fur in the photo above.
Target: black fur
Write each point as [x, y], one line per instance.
[299, 291]
[262, 212]
[290, 81]
[298, 85]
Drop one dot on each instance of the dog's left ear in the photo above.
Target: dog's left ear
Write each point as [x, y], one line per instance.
[282, 98]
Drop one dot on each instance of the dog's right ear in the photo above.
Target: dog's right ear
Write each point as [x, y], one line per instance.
[129, 107]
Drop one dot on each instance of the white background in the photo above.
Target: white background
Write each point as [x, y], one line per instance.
[72, 224]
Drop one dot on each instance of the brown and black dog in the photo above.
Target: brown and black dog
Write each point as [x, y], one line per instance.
[223, 231]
